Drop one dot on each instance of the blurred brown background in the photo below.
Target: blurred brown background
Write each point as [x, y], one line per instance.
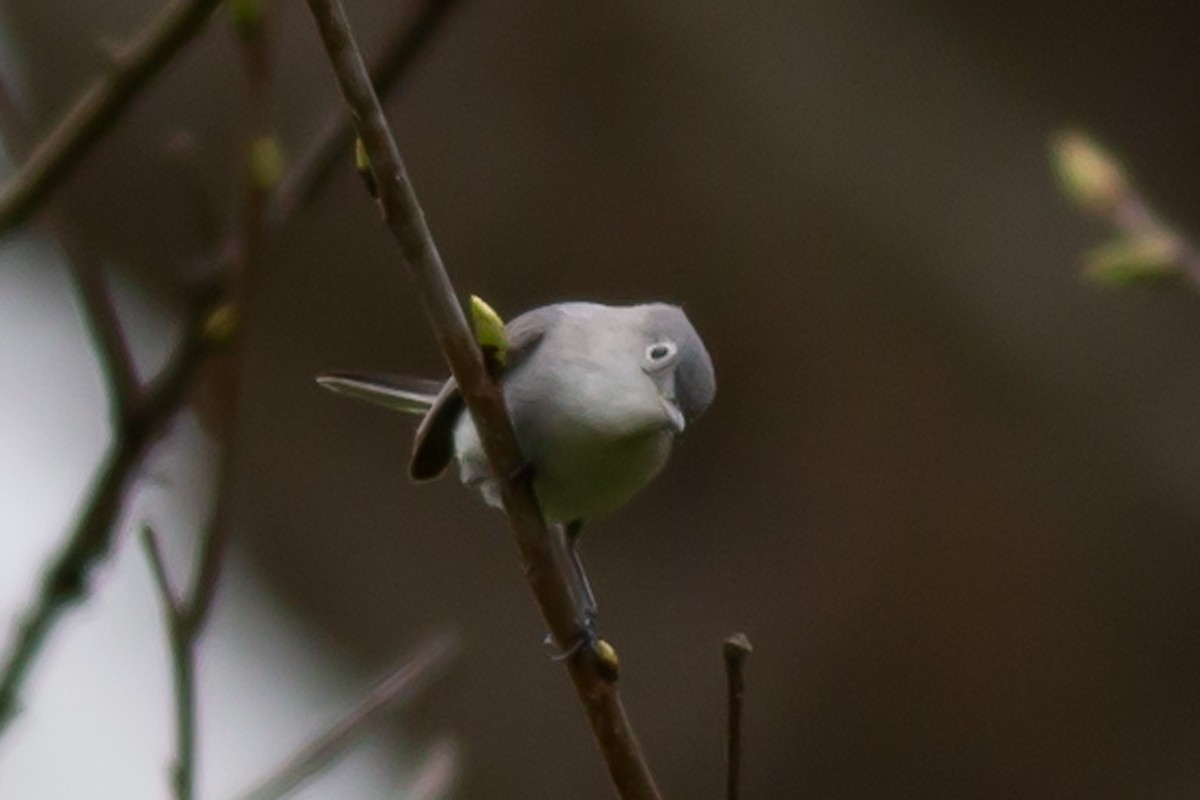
[949, 489]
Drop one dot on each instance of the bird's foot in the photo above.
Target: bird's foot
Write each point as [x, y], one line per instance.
[585, 639]
[599, 653]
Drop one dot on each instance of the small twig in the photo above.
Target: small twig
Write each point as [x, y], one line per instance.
[400, 685]
[737, 649]
[65, 579]
[99, 107]
[591, 673]
[100, 317]
[332, 143]
[181, 638]
[254, 41]
[1146, 248]
[187, 616]
[437, 773]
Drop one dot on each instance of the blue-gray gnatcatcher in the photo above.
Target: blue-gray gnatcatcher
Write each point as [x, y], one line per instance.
[597, 395]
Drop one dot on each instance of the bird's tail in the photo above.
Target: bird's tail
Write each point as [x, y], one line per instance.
[395, 392]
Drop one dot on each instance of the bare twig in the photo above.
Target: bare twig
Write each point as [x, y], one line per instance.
[256, 181]
[187, 616]
[99, 107]
[65, 579]
[332, 142]
[87, 273]
[737, 649]
[591, 673]
[181, 638]
[401, 684]
[437, 773]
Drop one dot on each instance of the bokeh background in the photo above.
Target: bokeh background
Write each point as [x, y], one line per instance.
[949, 489]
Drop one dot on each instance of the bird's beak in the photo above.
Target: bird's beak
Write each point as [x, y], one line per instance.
[674, 415]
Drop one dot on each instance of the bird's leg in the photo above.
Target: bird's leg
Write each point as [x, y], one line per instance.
[573, 530]
[581, 589]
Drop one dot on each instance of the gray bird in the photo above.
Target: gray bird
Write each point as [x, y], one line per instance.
[597, 395]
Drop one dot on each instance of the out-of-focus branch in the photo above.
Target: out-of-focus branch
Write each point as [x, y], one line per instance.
[437, 773]
[736, 650]
[181, 640]
[1145, 249]
[116, 363]
[188, 614]
[259, 171]
[332, 143]
[95, 112]
[401, 684]
[65, 579]
[212, 323]
[140, 418]
[591, 671]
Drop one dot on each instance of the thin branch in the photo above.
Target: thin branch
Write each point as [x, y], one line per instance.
[158, 571]
[99, 107]
[181, 639]
[592, 674]
[438, 771]
[99, 315]
[401, 684]
[65, 580]
[737, 649]
[332, 143]
[187, 616]
[255, 46]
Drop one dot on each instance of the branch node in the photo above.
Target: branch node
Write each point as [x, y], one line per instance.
[162, 581]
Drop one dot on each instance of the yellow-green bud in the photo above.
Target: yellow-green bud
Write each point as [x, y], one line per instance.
[1128, 260]
[606, 657]
[489, 330]
[362, 163]
[1088, 174]
[266, 162]
[221, 326]
[246, 16]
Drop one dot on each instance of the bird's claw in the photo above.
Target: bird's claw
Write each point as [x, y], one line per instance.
[585, 639]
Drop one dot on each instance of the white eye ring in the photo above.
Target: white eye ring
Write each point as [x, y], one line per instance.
[661, 352]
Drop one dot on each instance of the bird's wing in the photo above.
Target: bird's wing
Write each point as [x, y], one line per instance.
[433, 447]
[395, 392]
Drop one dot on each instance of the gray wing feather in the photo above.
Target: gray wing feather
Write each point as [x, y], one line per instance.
[433, 448]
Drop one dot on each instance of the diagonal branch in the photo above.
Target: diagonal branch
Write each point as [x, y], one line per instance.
[99, 107]
[256, 182]
[332, 142]
[99, 315]
[188, 613]
[590, 670]
[65, 579]
[401, 683]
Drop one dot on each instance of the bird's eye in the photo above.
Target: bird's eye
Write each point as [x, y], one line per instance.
[660, 352]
